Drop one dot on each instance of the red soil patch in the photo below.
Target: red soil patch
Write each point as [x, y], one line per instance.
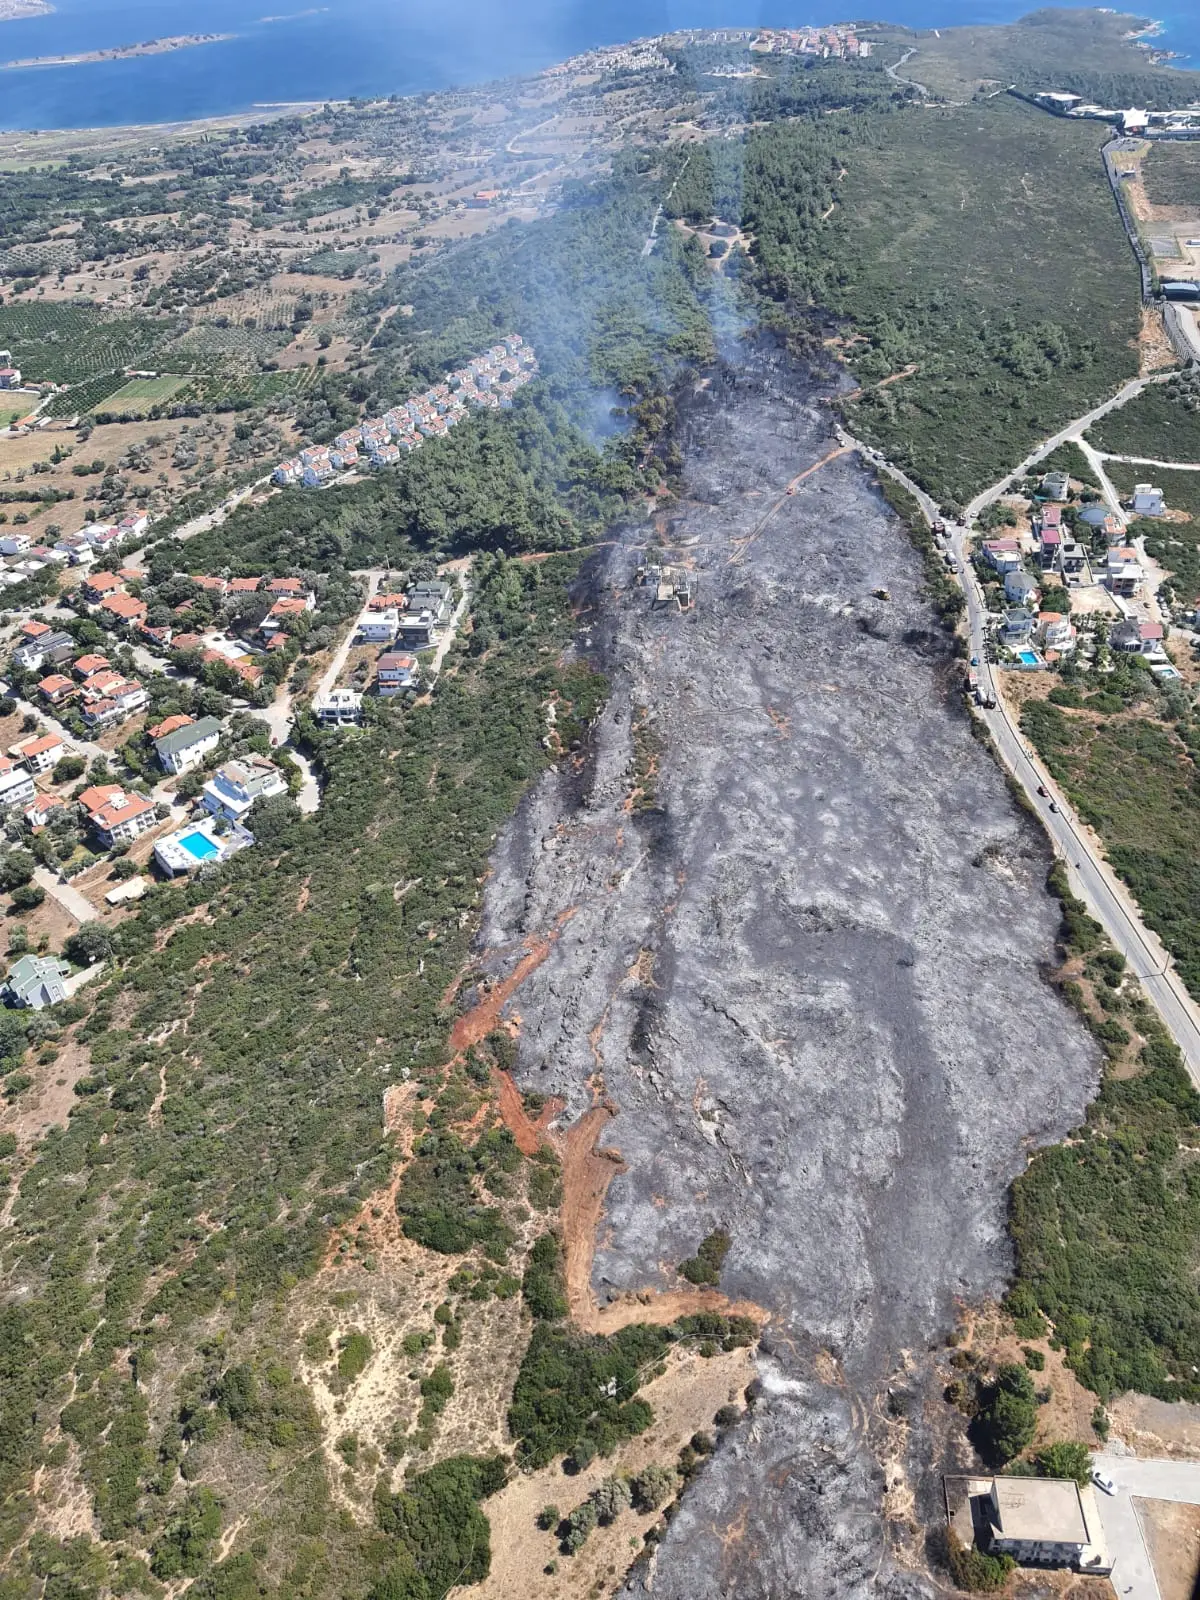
[475, 1025]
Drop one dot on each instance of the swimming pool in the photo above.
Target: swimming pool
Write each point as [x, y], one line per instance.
[1028, 658]
[199, 846]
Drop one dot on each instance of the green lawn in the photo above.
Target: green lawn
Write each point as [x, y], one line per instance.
[139, 394]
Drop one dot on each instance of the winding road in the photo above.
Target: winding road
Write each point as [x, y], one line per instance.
[910, 83]
[1088, 872]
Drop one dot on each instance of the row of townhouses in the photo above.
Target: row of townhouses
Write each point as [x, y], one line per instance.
[488, 382]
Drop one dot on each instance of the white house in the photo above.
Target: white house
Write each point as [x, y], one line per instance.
[1124, 570]
[234, 788]
[1020, 588]
[117, 815]
[1147, 501]
[184, 747]
[40, 755]
[1004, 555]
[15, 544]
[339, 709]
[16, 787]
[1047, 1520]
[379, 627]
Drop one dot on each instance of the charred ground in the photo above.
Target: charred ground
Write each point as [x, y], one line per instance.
[801, 970]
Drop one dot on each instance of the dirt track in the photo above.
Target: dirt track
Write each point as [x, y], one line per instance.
[806, 979]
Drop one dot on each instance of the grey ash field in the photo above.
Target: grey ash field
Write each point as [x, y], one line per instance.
[806, 979]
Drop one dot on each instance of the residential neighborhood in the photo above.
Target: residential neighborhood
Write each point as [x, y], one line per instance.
[1066, 582]
[487, 382]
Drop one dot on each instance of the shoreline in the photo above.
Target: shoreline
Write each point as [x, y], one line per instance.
[1152, 40]
[21, 10]
[119, 52]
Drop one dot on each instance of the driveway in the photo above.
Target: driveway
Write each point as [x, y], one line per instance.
[72, 902]
[1132, 1572]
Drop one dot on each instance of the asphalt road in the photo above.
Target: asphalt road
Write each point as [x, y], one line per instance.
[1089, 875]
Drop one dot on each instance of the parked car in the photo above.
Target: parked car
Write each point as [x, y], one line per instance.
[1103, 1481]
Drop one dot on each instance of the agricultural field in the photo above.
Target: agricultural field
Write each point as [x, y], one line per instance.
[81, 398]
[61, 343]
[139, 394]
[119, 465]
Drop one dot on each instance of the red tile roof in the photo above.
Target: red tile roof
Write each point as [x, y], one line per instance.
[123, 808]
[98, 795]
[38, 747]
[169, 725]
[125, 607]
[103, 583]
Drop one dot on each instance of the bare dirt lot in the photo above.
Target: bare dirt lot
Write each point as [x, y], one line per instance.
[1172, 1534]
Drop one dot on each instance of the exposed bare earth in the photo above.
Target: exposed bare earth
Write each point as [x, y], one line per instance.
[1172, 1534]
[806, 981]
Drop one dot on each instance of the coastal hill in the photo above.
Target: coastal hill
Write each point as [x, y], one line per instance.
[543, 1052]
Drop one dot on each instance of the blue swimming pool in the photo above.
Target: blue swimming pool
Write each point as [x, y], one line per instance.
[199, 846]
[1027, 658]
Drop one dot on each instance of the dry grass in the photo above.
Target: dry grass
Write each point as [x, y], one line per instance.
[685, 1400]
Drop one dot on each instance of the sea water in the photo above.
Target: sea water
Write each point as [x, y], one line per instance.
[294, 50]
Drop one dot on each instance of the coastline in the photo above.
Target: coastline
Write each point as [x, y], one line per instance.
[119, 52]
[296, 69]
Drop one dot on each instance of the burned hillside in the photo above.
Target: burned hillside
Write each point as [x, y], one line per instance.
[796, 926]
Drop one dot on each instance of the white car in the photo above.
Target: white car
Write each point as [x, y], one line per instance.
[1103, 1481]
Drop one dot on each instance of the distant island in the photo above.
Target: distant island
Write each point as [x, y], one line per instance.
[11, 10]
[117, 52]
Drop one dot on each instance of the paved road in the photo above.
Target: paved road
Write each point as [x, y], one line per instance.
[1132, 1573]
[1088, 873]
[1107, 488]
[1070, 432]
[1090, 876]
[72, 902]
[911, 83]
[212, 519]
